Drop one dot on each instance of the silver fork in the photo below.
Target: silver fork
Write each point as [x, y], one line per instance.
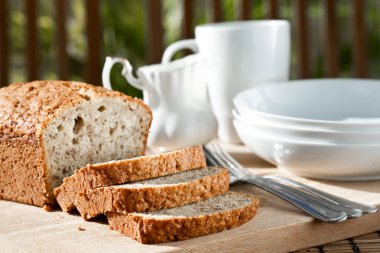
[330, 197]
[324, 207]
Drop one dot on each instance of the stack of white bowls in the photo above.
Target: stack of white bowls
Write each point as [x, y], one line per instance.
[321, 128]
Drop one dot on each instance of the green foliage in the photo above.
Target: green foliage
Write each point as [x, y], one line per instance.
[228, 10]
[258, 10]
[172, 21]
[124, 30]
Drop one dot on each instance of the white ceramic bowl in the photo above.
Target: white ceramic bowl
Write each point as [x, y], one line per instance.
[306, 134]
[341, 104]
[343, 162]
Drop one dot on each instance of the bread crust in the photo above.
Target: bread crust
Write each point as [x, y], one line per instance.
[84, 180]
[125, 200]
[26, 110]
[150, 230]
[21, 179]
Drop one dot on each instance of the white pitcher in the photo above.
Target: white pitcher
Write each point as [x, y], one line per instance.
[177, 94]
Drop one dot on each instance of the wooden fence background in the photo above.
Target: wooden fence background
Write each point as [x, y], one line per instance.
[301, 33]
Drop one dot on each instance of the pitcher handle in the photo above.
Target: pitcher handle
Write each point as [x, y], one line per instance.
[179, 45]
[126, 72]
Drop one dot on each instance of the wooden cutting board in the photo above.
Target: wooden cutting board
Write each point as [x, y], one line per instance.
[278, 226]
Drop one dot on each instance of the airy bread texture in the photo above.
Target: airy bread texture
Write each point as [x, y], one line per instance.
[154, 194]
[180, 223]
[84, 180]
[51, 128]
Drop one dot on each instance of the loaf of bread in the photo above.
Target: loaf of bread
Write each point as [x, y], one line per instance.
[84, 180]
[180, 223]
[51, 128]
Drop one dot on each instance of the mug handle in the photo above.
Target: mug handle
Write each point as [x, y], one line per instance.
[179, 45]
[126, 72]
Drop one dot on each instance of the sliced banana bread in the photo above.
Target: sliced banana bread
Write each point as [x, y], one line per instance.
[84, 180]
[48, 129]
[180, 223]
[154, 194]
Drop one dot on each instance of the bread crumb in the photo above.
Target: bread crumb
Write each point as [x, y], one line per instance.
[80, 228]
[48, 208]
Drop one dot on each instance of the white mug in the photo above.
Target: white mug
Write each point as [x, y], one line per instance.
[248, 53]
[177, 94]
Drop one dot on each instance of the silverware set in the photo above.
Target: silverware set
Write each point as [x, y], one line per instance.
[321, 205]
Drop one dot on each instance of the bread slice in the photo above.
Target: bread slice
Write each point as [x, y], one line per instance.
[84, 180]
[48, 129]
[180, 223]
[153, 194]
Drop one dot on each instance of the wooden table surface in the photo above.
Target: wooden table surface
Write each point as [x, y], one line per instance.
[278, 226]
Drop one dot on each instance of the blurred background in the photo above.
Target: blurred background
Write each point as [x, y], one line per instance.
[69, 39]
